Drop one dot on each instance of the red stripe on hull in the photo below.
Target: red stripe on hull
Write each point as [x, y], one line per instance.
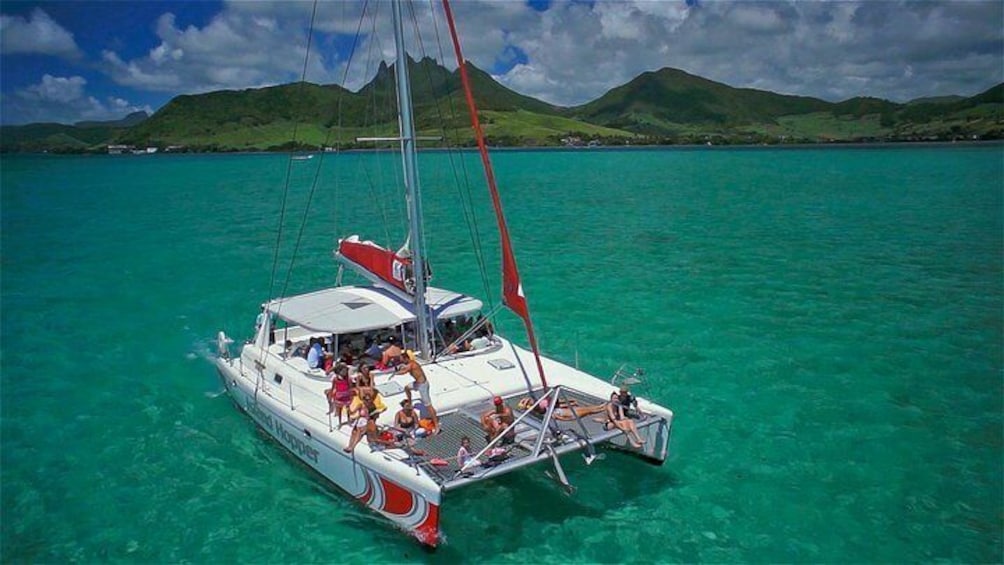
[396, 499]
[428, 531]
[368, 494]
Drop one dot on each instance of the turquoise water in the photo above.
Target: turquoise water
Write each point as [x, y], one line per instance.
[826, 323]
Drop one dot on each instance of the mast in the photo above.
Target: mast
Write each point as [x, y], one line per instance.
[406, 126]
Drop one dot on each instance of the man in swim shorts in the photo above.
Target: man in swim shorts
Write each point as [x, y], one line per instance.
[421, 384]
[495, 420]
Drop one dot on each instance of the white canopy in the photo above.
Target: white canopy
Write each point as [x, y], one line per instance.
[350, 309]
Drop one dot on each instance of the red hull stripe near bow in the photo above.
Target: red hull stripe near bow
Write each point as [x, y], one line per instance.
[397, 500]
[512, 288]
[428, 531]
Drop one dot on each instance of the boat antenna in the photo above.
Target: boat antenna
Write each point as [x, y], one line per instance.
[512, 288]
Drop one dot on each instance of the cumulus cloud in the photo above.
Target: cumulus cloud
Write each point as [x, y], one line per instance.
[239, 48]
[37, 33]
[575, 51]
[62, 100]
[570, 53]
[832, 50]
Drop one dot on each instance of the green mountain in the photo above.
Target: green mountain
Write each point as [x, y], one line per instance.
[667, 106]
[67, 138]
[128, 121]
[674, 106]
[668, 101]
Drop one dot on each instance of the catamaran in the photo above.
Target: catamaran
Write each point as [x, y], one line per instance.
[471, 372]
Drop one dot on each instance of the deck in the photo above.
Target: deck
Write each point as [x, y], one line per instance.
[564, 436]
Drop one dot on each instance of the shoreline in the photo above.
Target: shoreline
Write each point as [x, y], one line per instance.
[862, 145]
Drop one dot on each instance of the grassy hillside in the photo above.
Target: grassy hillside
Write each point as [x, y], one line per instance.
[673, 107]
[668, 106]
[660, 102]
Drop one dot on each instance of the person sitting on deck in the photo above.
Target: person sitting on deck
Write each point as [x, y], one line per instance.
[392, 355]
[421, 384]
[368, 395]
[293, 350]
[364, 379]
[496, 420]
[366, 408]
[617, 419]
[345, 355]
[406, 420]
[361, 420]
[628, 402]
[464, 454]
[314, 355]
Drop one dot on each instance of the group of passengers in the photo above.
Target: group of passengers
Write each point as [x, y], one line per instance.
[382, 352]
[356, 401]
[619, 412]
[497, 422]
[385, 351]
[457, 335]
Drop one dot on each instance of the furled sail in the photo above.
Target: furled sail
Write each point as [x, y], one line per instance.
[372, 260]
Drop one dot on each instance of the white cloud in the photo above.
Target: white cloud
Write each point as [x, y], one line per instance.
[63, 100]
[242, 47]
[37, 33]
[56, 89]
[576, 51]
[829, 49]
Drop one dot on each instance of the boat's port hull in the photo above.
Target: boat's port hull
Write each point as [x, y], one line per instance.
[381, 489]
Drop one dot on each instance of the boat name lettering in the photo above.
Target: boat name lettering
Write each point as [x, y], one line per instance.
[296, 444]
[262, 416]
[291, 439]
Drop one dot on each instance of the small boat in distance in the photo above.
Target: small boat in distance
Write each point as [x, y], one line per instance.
[484, 406]
[303, 157]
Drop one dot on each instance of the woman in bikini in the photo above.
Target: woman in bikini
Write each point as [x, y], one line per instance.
[362, 419]
[406, 420]
[565, 410]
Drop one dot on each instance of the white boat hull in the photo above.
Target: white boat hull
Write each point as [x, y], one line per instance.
[408, 501]
[288, 403]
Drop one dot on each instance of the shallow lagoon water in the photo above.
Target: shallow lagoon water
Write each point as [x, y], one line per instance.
[826, 324]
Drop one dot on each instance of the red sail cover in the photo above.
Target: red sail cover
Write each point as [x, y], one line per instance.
[384, 263]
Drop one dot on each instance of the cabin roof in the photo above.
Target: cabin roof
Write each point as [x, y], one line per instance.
[349, 309]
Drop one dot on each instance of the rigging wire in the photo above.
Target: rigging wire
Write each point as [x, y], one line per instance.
[289, 165]
[463, 188]
[462, 181]
[371, 122]
[373, 103]
[313, 186]
[340, 115]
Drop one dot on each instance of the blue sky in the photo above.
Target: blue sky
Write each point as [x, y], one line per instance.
[69, 61]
